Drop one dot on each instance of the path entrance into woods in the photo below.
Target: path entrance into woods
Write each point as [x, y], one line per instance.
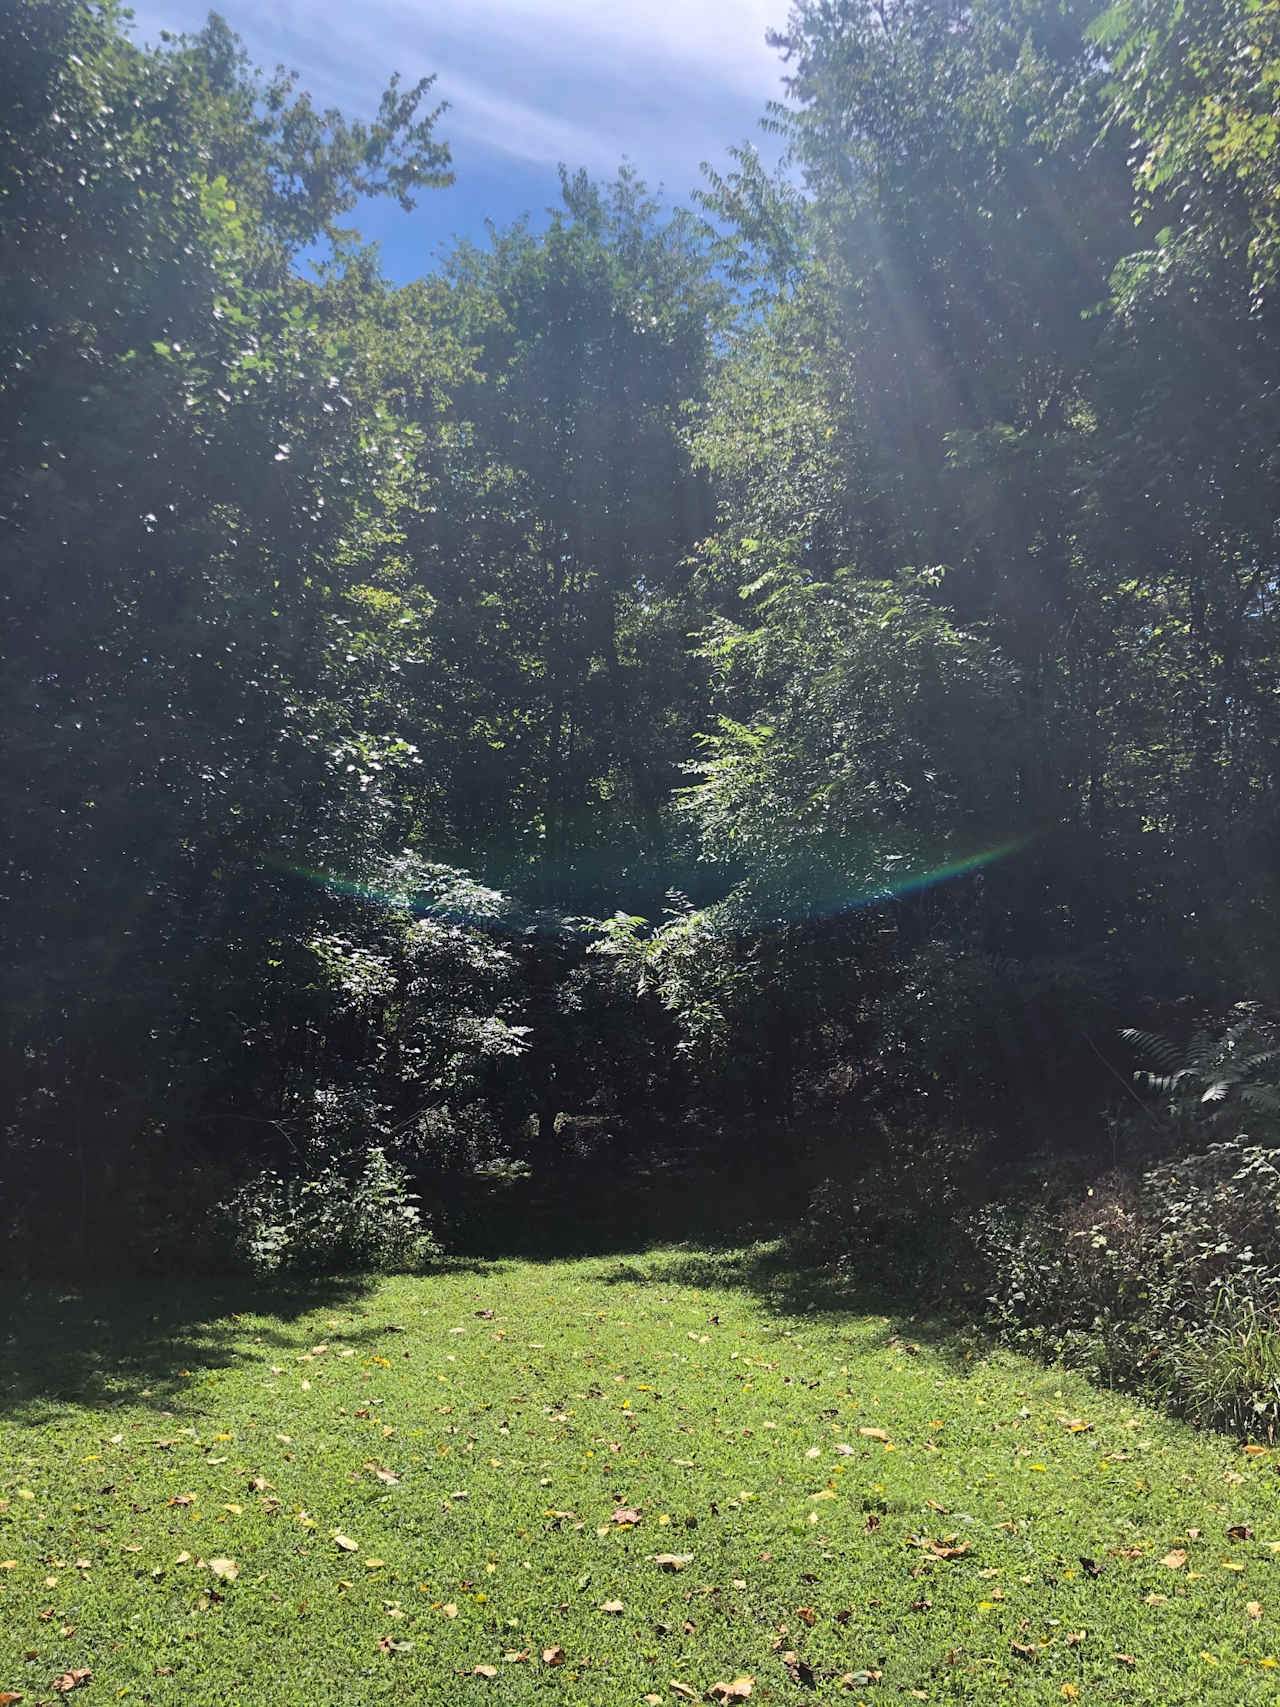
[612, 1481]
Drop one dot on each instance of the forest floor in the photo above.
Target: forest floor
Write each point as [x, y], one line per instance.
[609, 1481]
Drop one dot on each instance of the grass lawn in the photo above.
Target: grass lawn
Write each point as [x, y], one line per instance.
[461, 1488]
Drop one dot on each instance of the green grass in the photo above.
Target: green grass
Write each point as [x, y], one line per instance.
[656, 1385]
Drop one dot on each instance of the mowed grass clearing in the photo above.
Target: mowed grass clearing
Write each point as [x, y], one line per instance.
[366, 1493]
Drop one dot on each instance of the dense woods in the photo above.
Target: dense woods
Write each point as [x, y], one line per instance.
[749, 695]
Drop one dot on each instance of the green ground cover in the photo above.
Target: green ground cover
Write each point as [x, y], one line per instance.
[364, 1494]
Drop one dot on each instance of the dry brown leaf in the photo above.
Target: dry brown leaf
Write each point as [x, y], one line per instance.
[449, 1609]
[1253, 1609]
[1075, 1425]
[672, 1561]
[9, 1699]
[873, 1434]
[625, 1514]
[1175, 1559]
[1240, 1532]
[484, 1671]
[553, 1656]
[1025, 1650]
[69, 1680]
[949, 1548]
[612, 1606]
[739, 1690]
[807, 1615]
[227, 1569]
[683, 1690]
[1125, 1660]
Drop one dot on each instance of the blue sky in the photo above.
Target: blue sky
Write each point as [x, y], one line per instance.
[530, 83]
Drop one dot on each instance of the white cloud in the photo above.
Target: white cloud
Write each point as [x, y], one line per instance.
[666, 83]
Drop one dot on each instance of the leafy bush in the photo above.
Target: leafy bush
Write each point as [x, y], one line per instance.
[342, 1218]
[1169, 1282]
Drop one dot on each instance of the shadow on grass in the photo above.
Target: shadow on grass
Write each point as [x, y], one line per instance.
[132, 1341]
[866, 1315]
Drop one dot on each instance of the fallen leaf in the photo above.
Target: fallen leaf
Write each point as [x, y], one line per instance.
[1176, 1559]
[553, 1656]
[1075, 1425]
[948, 1549]
[813, 1452]
[70, 1680]
[1025, 1650]
[1253, 1609]
[1070, 1692]
[873, 1434]
[484, 1671]
[9, 1699]
[683, 1690]
[1240, 1532]
[739, 1690]
[612, 1606]
[449, 1609]
[800, 1670]
[672, 1561]
[626, 1515]
[1125, 1660]
[227, 1569]
[346, 1544]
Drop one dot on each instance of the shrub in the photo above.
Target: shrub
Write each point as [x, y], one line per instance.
[1169, 1281]
[360, 1216]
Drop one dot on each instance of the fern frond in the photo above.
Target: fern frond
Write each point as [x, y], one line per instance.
[1159, 1048]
